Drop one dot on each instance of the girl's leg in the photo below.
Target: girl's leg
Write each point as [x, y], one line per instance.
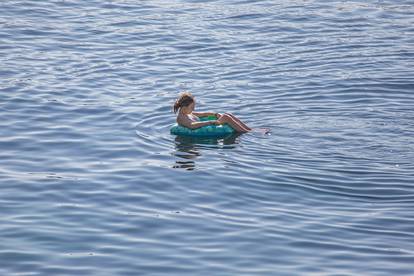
[238, 120]
[226, 119]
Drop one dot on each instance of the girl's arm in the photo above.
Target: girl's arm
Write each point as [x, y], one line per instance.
[204, 114]
[195, 125]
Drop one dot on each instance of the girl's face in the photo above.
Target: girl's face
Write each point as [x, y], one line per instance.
[191, 106]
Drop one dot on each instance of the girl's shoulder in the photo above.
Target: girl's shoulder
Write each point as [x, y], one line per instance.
[181, 118]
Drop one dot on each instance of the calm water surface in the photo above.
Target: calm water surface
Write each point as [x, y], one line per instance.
[92, 183]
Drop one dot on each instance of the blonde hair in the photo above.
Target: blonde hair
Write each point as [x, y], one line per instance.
[185, 99]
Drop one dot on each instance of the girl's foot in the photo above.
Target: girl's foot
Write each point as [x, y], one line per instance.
[262, 130]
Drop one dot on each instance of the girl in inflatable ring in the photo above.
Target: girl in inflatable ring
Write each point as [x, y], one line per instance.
[186, 117]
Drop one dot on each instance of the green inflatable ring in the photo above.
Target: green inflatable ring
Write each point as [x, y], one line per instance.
[205, 131]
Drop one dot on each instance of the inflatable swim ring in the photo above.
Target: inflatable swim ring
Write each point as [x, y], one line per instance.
[205, 131]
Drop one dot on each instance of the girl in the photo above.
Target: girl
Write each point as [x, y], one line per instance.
[186, 117]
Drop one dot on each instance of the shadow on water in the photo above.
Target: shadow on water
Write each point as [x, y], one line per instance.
[188, 149]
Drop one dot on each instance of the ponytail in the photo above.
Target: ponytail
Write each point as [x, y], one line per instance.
[177, 106]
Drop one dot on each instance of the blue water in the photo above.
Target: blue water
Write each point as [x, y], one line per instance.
[92, 182]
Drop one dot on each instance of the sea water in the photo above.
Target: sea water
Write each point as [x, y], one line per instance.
[93, 183]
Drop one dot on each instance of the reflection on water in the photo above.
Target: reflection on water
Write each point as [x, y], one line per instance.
[187, 148]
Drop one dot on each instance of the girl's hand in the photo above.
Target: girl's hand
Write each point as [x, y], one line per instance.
[218, 115]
